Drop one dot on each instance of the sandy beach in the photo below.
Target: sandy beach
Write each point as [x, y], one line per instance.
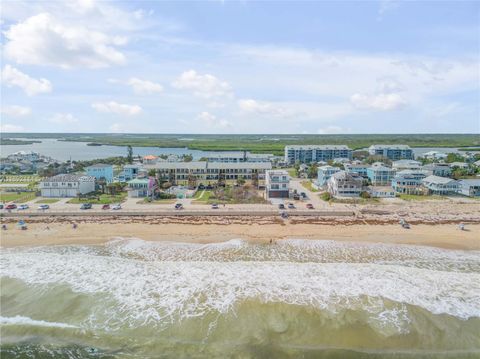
[93, 230]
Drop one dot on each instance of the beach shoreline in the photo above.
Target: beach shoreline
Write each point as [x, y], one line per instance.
[96, 231]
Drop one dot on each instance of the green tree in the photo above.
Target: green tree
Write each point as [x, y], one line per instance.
[129, 154]
[187, 158]
[312, 170]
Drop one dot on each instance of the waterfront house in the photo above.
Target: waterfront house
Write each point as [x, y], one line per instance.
[438, 169]
[381, 192]
[100, 170]
[67, 185]
[380, 175]
[401, 165]
[149, 159]
[359, 168]
[277, 184]
[324, 173]
[435, 155]
[141, 187]
[462, 165]
[408, 183]
[469, 187]
[343, 184]
[440, 185]
[129, 172]
[392, 152]
[315, 153]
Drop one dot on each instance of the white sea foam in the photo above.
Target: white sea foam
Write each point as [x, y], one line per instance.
[19, 320]
[170, 285]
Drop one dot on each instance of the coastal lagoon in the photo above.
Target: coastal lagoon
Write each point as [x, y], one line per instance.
[130, 298]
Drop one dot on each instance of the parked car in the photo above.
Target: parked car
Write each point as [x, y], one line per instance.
[201, 186]
[296, 197]
[214, 206]
[106, 206]
[1, 206]
[303, 194]
[11, 206]
[116, 207]
[43, 207]
[86, 206]
[291, 206]
[281, 206]
[179, 206]
[22, 207]
[310, 206]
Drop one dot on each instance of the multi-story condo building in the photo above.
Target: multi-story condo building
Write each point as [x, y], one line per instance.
[238, 156]
[207, 172]
[343, 184]
[438, 169]
[100, 170]
[440, 185]
[315, 153]
[324, 173]
[277, 184]
[67, 185]
[392, 152]
[380, 175]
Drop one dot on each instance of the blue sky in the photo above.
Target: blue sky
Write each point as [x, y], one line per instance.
[241, 67]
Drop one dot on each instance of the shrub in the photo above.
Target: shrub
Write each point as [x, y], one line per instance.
[365, 194]
[326, 196]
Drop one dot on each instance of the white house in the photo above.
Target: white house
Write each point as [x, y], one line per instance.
[469, 187]
[381, 192]
[67, 185]
[277, 184]
[343, 184]
[406, 165]
[440, 185]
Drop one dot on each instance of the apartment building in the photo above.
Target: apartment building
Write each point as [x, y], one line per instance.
[238, 156]
[207, 172]
[277, 184]
[315, 153]
[392, 152]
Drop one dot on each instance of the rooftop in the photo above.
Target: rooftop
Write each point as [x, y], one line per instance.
[99, 165]
[390, 147]
[69, 178]
[317, 147]
[438, 179]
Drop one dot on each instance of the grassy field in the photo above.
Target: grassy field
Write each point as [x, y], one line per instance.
[413, 197]
[309, 185]
[48, 200]
[101, 199]
[291, 172]
[263, 143]
[21, 197]
[203, 196]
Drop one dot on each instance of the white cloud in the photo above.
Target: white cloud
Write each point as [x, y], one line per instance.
[206, 86]
[118, 108]
[43, 40]
[63, 118]
[212, 122]
[378, 102]
[13, 77]
[329, 130]
[7, 127]
[144, 87]
[16, 111]
[259, 107]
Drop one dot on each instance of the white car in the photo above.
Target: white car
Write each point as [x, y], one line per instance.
[43, 207]
[22, 206]
[116, 207]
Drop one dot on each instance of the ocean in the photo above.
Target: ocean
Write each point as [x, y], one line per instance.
[131, 298]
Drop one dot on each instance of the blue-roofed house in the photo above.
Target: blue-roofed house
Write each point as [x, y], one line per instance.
[441, 185]
[470, 187]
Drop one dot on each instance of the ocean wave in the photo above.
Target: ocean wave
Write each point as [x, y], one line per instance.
[166, 291]
[26, 321]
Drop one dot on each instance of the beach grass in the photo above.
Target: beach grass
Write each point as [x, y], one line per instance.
[309, 185]
[19, 179]
[17, 197]
[48, 200]
[101, 199]
[414, 197]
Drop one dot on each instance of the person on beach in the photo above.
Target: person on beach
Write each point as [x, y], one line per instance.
[4, 227]
[74, 226]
